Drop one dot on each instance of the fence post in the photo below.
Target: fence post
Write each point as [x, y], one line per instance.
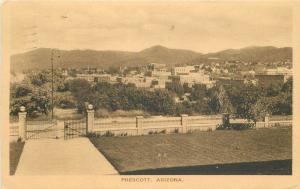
[90, 118]
[22, 123]
[184, 118]
[139, 125]
[267, 118]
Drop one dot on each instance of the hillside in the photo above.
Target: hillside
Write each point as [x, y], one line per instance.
[40, 58]
[253, 54]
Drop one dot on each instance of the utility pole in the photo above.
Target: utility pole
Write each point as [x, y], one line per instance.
[52, 104]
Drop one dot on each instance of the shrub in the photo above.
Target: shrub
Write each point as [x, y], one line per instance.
[241, 126]
[92, 135]
[123, 134]
[109, 134]
[236, 126]
[222, 127]
[163, 131]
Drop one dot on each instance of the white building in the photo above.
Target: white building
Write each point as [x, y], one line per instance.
[183, 70]
[279, 71]
[195, 78]
[138, 81]
[95, 77]
[191, 75]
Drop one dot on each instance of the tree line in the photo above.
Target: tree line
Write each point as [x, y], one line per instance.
[245, 101]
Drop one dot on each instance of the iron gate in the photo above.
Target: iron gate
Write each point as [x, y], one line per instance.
[41, 129]
[74, 128]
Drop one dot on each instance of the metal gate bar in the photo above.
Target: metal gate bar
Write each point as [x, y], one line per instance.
[74, 128]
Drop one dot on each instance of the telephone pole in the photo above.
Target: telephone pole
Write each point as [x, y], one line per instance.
[52, 104]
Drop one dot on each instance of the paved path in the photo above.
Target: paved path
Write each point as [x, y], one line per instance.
[62, 157]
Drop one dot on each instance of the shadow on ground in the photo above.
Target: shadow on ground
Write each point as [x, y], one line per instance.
[278, 167]
[15, 151]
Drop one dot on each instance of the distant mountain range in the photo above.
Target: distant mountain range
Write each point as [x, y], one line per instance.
[41, 58]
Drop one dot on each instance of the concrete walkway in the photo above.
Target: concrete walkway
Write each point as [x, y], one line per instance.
[62, 157]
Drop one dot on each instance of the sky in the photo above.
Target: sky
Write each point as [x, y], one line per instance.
[201, 27]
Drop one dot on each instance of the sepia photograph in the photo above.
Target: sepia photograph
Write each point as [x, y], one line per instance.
[149, 88]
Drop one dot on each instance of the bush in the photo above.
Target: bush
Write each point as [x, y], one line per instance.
[123, 134]
[236, 126]
[92, 135]
[109, 134]
[241, 126]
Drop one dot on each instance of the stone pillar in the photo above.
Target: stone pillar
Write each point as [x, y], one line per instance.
[139, 125]
[90, 119]
[267, 118]
[184, 118]
[22, 123]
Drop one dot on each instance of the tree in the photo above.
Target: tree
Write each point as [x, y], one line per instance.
[263, 107]
[288, 86]
[202, 106]
[175, 87]
[35, 99]
[199, 92]
[224, 101]
[186, 88]
[113, 70]
[64, 100]
[248, 98]
[80, 88]
[39, 78]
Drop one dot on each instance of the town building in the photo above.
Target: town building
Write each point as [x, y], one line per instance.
[183, 70]
[138, 80]
[95, 77]
[228, 81]
[266, 80]
[190, 75]
[275, 76]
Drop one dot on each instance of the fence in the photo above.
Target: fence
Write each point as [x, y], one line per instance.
[14, 129]
[267, 123]
[40, 129]
[157, 124]
[74, 128]
[139, 125]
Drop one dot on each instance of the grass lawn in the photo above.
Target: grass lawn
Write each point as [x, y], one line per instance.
[15, 151]
[262, 151]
